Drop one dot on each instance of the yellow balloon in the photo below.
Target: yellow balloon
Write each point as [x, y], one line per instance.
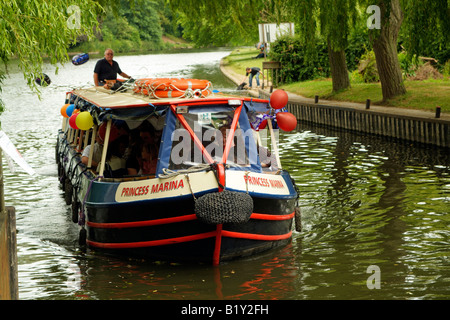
[84, 121]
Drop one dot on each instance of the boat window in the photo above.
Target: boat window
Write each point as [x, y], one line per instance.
[211, 127]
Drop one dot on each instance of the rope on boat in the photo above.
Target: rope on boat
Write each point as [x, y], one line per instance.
[126, 85]
[216, 207]
[168, 173]
[166, 88]
[190, 187]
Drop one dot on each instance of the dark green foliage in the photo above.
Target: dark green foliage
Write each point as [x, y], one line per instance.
[145, 18]
[140, 24]
[136, 22]
[426, 29]
[220, 23]
[358, 44]
[298, 64]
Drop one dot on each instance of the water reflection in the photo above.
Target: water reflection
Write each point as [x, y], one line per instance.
[371, 212]
[365, 201]
[266, 277]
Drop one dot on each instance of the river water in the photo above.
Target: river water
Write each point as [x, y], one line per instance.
[375, 213]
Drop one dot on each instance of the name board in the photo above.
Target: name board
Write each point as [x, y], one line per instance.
[165, 188]
[256, 182]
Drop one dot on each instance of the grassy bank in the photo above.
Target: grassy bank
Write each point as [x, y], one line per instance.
[424, 94]
[242, 58]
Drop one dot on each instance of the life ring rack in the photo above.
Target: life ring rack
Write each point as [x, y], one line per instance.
[162, 88]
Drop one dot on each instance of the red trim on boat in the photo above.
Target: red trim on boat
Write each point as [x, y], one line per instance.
[230, 137]
[136, 224]
[189, 217]
[217, 245]
[263, 216]
[208, 101]
[153, 243]
[252, 236]
[218, 234]
[192, 134]
[221, 177]
[201, 236]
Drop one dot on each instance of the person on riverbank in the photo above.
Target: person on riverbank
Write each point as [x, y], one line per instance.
[253, 72]
[106, 70]
[262, 52]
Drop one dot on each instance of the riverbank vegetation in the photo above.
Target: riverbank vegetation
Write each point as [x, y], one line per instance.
[351, 42]
[33, 30]
[331, 36]
[135, 27]
[423, 90]
[54, 30]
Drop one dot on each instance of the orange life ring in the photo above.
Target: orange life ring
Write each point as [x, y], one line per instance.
[184, 84]
[154, 84]
[162, 94]
[147, 85]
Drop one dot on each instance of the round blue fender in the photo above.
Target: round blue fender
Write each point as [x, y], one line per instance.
[80, 59]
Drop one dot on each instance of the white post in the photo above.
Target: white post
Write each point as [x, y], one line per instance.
[91, 151]
[105, 147]
[274, 143]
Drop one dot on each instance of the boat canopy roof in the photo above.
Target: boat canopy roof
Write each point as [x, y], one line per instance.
[212, 112]
[104, 104]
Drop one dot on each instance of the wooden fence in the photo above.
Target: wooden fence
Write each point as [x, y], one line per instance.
[8, 255]
[433, 131]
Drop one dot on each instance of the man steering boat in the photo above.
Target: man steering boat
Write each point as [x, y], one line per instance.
[106, 71]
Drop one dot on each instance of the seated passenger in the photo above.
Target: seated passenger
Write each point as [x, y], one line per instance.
[116, 163]
[118, 129]
[144, 155]
[149, 156]
[134, 160]
[267, 159]
[96, 156]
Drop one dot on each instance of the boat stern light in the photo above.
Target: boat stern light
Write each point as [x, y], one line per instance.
[234, 102]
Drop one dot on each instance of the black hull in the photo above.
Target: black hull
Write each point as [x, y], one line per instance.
[167, 228]
[158, 231]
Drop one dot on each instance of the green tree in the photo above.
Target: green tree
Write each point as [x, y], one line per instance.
[144, 17]
[332, 20]
[384, 41]
[236, 21]
[429, 22]
[227, 22]
[30, 30]
[168, 19]
[117, 27]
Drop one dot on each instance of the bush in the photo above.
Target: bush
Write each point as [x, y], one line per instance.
[297, 62]
[118, 28]
[426, 71]
[358, 42]
[356, 77]
[368, 67]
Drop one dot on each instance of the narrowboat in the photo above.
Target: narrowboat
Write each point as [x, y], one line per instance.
[169, 169]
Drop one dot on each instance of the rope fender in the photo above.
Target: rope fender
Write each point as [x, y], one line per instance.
[224, 207]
